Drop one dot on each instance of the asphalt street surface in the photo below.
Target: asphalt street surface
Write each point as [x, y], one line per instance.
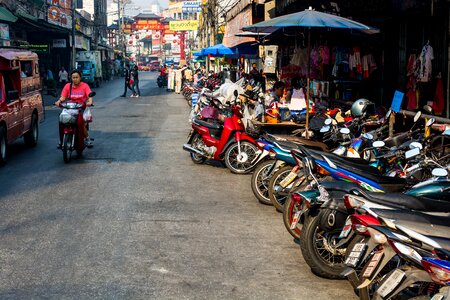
[136, 219]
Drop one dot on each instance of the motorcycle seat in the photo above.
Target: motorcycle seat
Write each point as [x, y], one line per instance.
[207, 124]
[360, 167]
[423, 223]
[286, 145]
[444, 242]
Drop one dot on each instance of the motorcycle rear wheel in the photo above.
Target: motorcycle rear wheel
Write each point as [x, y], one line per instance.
[315, 246]
[197, 159]
[260, 181]
[67, 147]
[278, 199]
[248, 153]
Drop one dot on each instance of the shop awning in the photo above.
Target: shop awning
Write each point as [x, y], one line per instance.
[246, 49]
[27, 16]
[6, 15]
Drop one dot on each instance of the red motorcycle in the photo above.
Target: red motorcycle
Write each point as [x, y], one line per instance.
[229, 142]
[72, 125]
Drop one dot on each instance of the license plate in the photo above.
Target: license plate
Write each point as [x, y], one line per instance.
[353, 258]
[373, 263]
[347, 228]
[288, 179]
[390, 283]
[295, 219]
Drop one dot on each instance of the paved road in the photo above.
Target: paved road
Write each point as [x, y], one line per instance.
[136, 219]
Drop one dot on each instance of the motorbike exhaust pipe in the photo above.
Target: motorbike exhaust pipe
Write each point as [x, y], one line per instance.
[188, 148]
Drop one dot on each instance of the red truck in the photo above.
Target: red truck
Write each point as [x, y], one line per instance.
[21, 106]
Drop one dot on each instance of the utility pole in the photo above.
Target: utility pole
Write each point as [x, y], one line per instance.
[72, 65]
[119, 43]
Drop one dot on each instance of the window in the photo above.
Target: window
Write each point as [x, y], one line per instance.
[26, 68]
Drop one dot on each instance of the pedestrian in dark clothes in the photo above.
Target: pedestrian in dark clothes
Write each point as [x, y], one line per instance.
[127, 82]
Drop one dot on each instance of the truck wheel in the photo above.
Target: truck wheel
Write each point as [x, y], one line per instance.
[31, 137]
[3, 146]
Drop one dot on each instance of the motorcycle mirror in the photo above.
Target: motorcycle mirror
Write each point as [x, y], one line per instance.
[446, 132]
[417, 116]
[328, 122]
[92, 94]
[388, 114]
[368, 136]
[325, 129]
[428, 109]
[378, 144]
[344, 131]
[415, 145]
[430, 122]
[412, 153]
[439, 172]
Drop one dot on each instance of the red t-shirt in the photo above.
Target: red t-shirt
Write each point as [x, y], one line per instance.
[79, 93]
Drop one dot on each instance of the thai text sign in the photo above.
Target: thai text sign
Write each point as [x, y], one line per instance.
[183, 25]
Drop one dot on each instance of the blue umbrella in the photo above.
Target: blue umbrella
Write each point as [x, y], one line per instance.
[310, 19]
[217, 50]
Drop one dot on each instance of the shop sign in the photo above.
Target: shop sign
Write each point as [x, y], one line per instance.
[59, 13]
[147, 25]
[59, 43]
[82, 42]
[187, 25]
[37, 48]
[4, 35]
[191, 6]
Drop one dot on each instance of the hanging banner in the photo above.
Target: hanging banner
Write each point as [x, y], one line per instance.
[147, 25]
[187, 25]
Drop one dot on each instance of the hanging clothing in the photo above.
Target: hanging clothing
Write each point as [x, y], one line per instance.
[298, 100]
[426, 56]
[368, 65]
[411, 94]
[438, 101]
[411, 67]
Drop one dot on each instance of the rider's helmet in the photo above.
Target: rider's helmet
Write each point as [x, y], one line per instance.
[360, 107]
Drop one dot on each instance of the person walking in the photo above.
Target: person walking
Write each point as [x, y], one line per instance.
[135, 85]
[171, 79]
[63, 76]
[178, 79]
[127, 82]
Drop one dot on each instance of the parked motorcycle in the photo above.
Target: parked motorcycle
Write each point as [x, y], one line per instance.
[227, 142]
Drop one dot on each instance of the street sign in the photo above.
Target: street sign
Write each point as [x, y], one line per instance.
[191, 6]
[186, 25]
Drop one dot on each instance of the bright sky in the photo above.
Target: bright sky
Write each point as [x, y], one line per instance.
[144, 4]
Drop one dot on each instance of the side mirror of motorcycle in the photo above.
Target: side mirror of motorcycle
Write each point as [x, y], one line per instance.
[446, 132]
[378, 144]
[344, 131]
[328, 122]
[324, 129]
[368, 136]
[411, 153]
[439, 172]
[428, 109]
[415, 145]
[430, 122]
[388, 114]
[417, 116]
[92, 94]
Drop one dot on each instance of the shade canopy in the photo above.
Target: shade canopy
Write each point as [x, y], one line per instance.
[216, 50]
[310, 19]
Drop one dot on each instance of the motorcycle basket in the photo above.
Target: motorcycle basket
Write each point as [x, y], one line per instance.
[68, 116]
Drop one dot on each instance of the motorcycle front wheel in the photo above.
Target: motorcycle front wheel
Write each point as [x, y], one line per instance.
[241, 163]
[67, 147]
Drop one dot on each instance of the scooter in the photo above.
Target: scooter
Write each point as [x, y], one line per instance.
[72, 123]
[227, 142]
